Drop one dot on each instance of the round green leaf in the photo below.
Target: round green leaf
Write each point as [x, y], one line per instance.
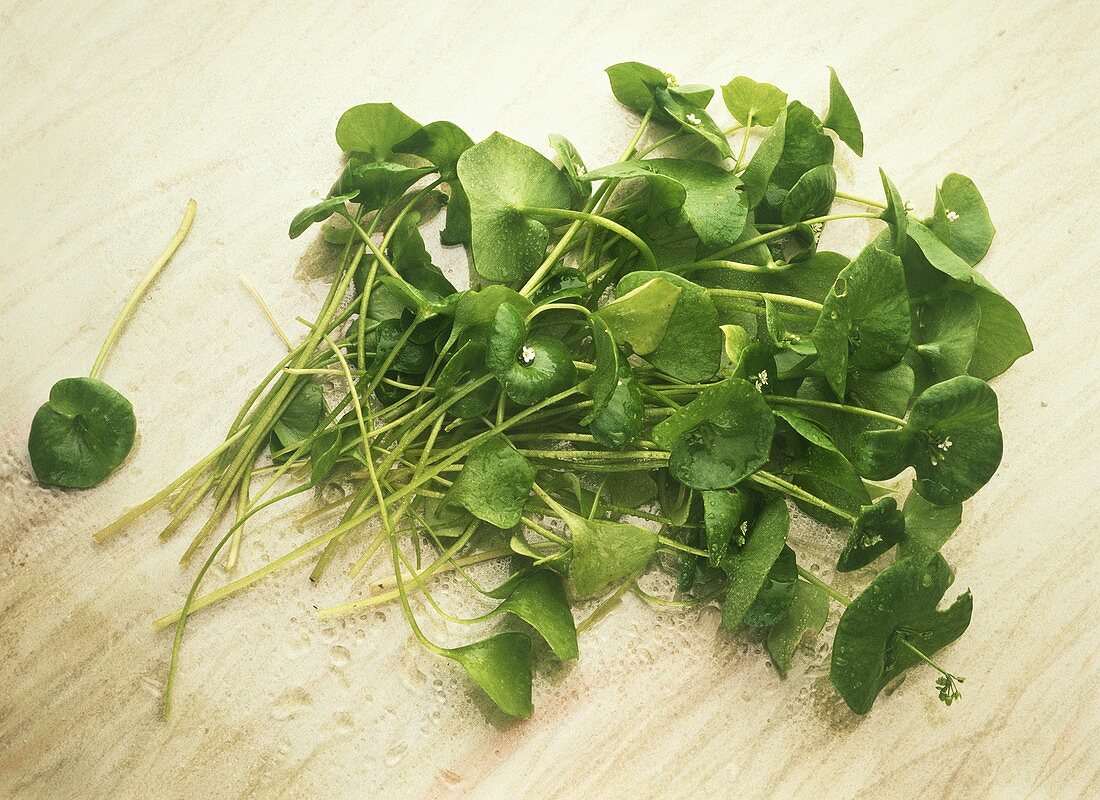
[493, 484]
[927, 526]
[530, 368]
[747, 98]
[719, 438]
[952, 439]
[302, 416]
[633, 84]
[961, 219]
[81, 435]
[373, 129]
[605, 552]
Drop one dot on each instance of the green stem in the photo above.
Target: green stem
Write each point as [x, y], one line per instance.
[143, 286]
[603, 222]
[857, 199]
[744, 144]
[771, 481]
[779, 232]
[809, 577]
[798, 302]
[737, 266]
[856, 410]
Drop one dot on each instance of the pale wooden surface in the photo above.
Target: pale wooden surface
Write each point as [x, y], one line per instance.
[112, 114]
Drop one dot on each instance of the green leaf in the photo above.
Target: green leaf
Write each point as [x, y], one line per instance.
[565, 284]
[639, 316]
[606, 552]
[773, 601]
[749, 566]
[895, 214]
[494, 483]
[901, 601]
[946, 332]
[1002, 334]
[411, 359]
[805, 146]
[961, 219]
[865, 320]
[440, 144]
[618, 411]
[691, 348]
[572, 166]
[600, 385]
[808, 612]
[373, 129]
[630, 489]
[829, 476]
[475, 311]
[952, 440]
[302, 416]
[877, 528]
[684, 109]
[531, 367]
[811, 195]
[81, 435]
[501, 178]
[939, 255]
[758, 173]
[841, 117]
[806, 427]
[374, 184]
[539, 600]
[501, 666]
[927, 526]
[723, 514]
[746, 98]
[694, 193]
[318, 213]
[634, 84]
[719, 438]
[323, 455]
[463, 368]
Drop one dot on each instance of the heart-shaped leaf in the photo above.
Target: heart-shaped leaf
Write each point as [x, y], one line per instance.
[927, 526]
[639, 316]
[807, 614]
[901, 601]
[946, 333]
[691, 348]
[961, 220]
[634, 84]
[877, 528]
[811, 195]
[318, 213]
[503, 177]
[531, 367]
[952, 439]
[501, 666]
[865, 319]
[605, 552]
[81, 435]
[494, 483]
[841, 117]
[539, 600]
[748, 566]
[373, 129]
[719, 438]
[754, 103]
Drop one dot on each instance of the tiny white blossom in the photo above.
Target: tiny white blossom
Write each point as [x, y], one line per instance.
[694, 120]
[952, 215]
[526, 355]
[760, 379]
[945, 445]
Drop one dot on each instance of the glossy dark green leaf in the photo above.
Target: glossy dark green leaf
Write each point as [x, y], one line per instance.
[684, 108]
[317, 213]
[640, 315]
[719, 438]
[463, 368]
[961, 219]
[634, 84]
[865, 320]
[302, 416]
[901, 601]
[773, 601]
[724, 512]
[808, 612]
[530, 367]
[1002, 334]
[374, 129]
[323, 455]
[539, 600]
[758, 173]
[895, 214]
[503, 177]
[806, 426]
[877, 528]
[951, 438]
[691, 348]
[411, 359]
[374, 184]
[841, 116]
[606, 552]
[946, 333]
[81, 435]
[927, 526]
[829, 476]
[805, 146]
[761, 102]
[811, 195]
[494, 483]
[501, 666]
[475, 311]
[600, 385]
[748, 567]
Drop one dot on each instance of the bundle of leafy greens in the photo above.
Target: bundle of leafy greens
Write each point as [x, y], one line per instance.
[654, 362]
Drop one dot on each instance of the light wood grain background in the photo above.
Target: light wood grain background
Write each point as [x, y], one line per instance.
[113, 113]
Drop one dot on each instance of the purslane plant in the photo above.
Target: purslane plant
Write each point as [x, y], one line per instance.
[653, 362]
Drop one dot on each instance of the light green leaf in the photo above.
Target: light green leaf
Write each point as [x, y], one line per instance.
[961, 219]
[639, 316]
[373, 129]
[805, 146]
[758, 173]
[317, 213]
[494, 483]
[539, 600]
[808, 612]
[895, 214]
[501, 666]
[683, 108]
[606, 552]
[633, 84]
[762, 102]
[841, 117]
